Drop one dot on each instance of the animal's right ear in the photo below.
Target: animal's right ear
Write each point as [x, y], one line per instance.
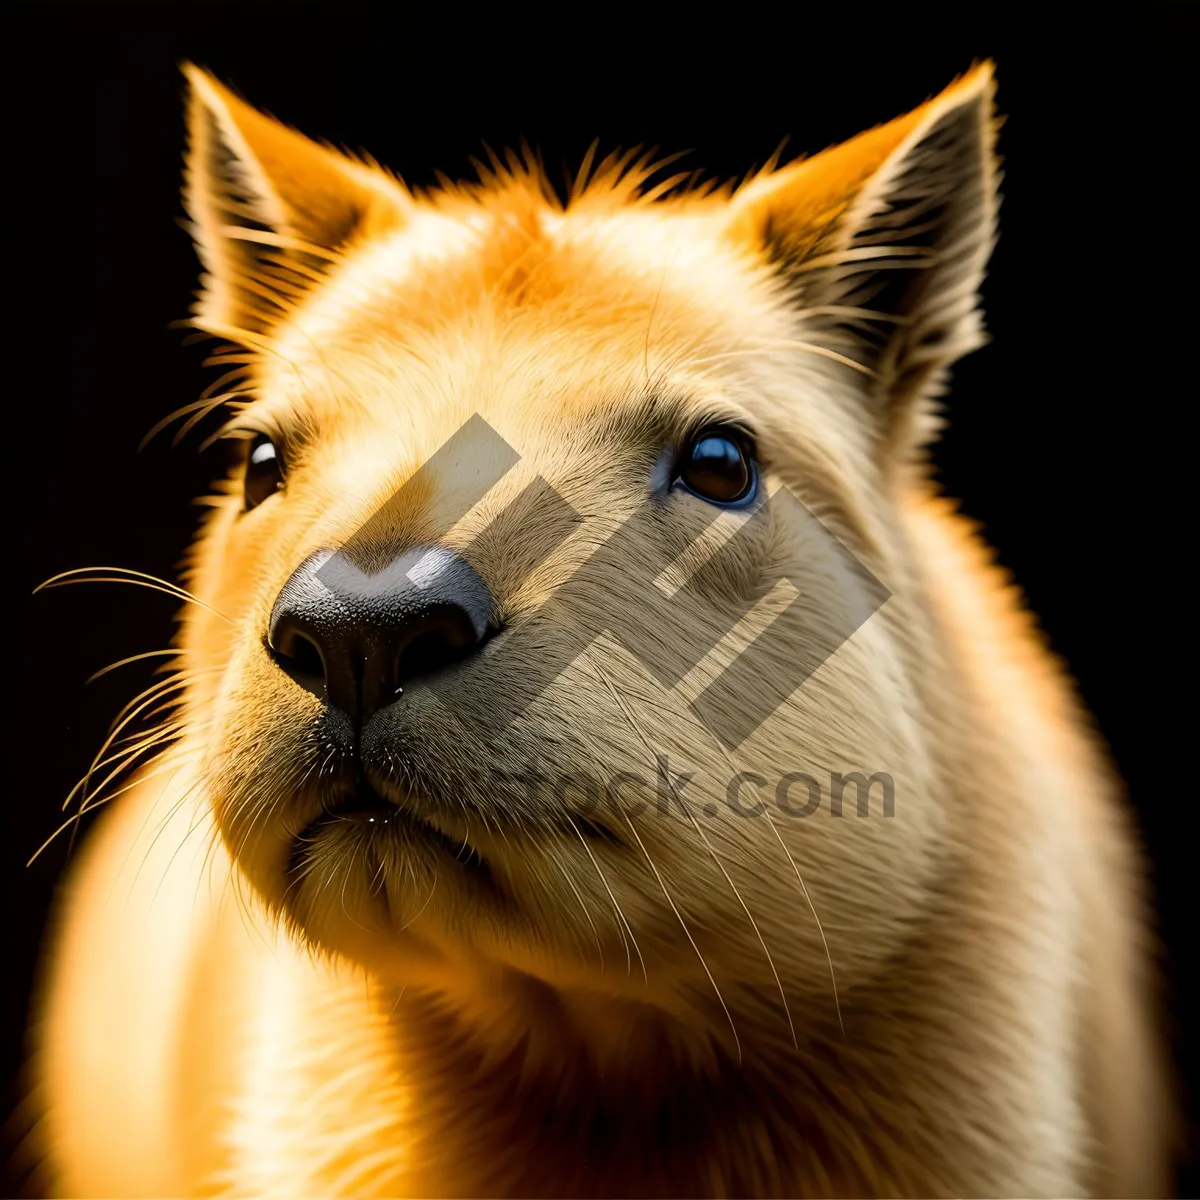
[271, 211]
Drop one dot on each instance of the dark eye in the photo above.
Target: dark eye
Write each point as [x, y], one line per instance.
[264, 471]
[718, 465]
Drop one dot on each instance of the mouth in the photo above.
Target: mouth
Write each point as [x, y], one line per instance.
[375, 815]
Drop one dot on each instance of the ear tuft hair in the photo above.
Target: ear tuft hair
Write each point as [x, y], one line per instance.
[270, 210]
[882, 242]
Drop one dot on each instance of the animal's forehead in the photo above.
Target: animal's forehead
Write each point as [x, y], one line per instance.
[522, 290]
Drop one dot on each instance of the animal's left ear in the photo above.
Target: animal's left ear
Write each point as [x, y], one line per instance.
[881, 243]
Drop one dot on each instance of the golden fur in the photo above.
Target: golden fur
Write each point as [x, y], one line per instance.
[952, 1000]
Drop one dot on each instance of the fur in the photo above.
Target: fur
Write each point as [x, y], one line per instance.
[951, 1000]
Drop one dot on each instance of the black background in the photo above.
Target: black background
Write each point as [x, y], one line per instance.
[1066, 432]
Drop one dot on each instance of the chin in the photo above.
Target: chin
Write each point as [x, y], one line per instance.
[365, 875]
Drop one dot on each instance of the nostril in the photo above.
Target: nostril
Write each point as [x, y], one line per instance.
[305, 657]
[296, 653]
[423, 654]
[445, 643]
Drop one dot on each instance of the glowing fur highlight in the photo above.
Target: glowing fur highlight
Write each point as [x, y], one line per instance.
[950, 1002]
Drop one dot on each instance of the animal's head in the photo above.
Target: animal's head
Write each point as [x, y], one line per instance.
[522, 482]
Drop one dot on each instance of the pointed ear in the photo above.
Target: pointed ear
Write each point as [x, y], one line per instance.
[270, 210]
[881, 244]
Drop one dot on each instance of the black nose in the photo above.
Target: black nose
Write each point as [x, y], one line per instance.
[354, 638]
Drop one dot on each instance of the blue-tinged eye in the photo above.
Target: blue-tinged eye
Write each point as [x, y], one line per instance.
[718, 465]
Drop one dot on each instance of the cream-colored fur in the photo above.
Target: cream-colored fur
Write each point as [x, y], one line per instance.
[949, 1000]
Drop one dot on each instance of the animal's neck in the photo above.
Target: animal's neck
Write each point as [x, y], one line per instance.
[548, 1102]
